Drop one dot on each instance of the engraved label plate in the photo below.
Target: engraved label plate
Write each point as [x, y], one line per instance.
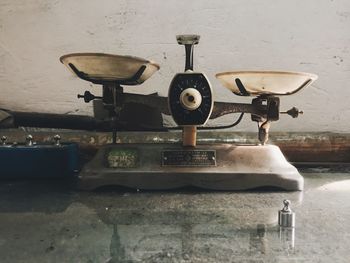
[189, 158]
[122, 158]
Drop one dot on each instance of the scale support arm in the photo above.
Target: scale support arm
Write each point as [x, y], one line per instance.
[220, 108]
[224, 108]
[152, 100]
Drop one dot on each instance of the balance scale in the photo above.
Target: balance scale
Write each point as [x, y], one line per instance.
[190, 102]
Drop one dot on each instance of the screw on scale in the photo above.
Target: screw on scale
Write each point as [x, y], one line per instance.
[293, 112]
[3, 140]
[29, 140]
[57, 140]
[88, 96]
[286, 217]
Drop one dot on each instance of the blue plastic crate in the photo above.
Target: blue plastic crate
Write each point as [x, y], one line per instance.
[39, 161]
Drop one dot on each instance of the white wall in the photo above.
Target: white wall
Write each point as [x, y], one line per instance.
[299, 35]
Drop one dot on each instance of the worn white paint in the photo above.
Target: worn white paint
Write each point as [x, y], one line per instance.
[298, 35]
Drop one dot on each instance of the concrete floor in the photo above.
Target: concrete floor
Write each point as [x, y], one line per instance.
[43, 221]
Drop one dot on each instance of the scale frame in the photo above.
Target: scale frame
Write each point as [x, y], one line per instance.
[210, 166]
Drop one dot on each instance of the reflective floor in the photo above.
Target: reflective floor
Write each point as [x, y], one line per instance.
[43, 221]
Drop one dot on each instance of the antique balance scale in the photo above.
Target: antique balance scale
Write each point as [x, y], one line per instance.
[219, 166]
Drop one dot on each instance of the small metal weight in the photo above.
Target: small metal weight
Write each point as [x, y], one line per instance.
[3, 140]
[286, 217]
[29, 140]
[57, 140]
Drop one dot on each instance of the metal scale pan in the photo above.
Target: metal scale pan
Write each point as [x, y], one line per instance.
[100, 68]
[256, 83]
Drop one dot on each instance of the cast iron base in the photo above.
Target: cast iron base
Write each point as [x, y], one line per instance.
[238, 167]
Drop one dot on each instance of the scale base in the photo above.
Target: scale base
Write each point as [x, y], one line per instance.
[233, 167]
